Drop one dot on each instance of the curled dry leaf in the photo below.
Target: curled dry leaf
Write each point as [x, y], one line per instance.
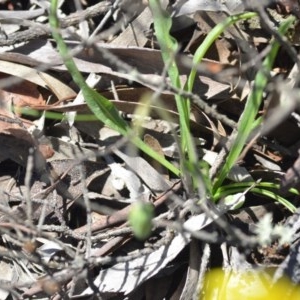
[21, 94]
[155, 145]
[61, 90]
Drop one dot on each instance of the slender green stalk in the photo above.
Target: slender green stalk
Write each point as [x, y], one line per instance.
[103, 109]
[248, 117]
[215, 33]
[169, 48]
[98, 104]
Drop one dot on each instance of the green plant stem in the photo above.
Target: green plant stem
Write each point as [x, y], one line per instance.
[169, 48]
[248, 117]
[215, 33]
[103, 109]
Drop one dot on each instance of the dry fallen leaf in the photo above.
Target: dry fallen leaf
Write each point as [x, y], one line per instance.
[21, 94]
[17, 70]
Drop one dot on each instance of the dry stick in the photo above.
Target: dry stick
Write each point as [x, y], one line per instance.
[199, 103]
[193, 270]
[87, 204]
[112, 244]
[28, 177]
[124, 67]
[33, 232]
[62, 277]
[39, 31]
[206, 255]
[283, 41]
[121, 215]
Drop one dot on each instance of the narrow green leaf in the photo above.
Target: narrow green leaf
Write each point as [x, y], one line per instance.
[248, 117]
[103, 109]
[169, 49]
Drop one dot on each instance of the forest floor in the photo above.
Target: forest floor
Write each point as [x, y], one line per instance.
[149, 183]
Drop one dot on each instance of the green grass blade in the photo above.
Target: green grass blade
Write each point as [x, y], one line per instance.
[215, 33]
[276, 197]
[169, 48]
[267, 189]
[248, 117]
